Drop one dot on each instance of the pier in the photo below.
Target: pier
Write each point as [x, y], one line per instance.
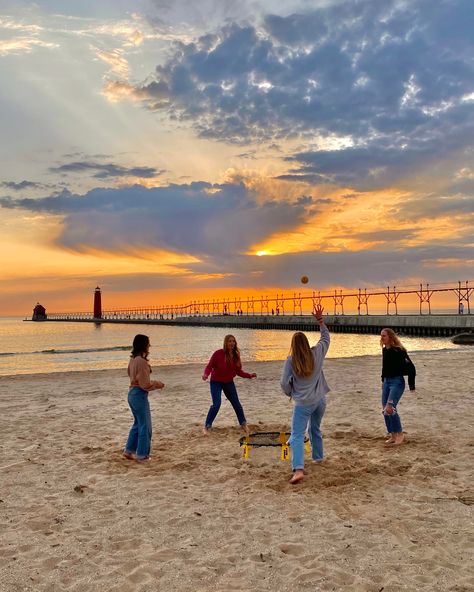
[422, 325]
[292, 312]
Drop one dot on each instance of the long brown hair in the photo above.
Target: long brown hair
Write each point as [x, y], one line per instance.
[301, 354]
[393, 340]
[234, 355]
[140, 346]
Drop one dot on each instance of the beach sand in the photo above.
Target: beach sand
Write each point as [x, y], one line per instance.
[76, 516]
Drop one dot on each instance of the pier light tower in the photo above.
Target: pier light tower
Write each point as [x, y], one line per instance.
[39, 313]
[97, 303]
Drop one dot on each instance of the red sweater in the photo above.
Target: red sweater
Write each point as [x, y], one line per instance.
[220, 371]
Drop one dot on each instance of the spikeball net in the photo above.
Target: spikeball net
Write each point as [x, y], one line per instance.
[271, 440]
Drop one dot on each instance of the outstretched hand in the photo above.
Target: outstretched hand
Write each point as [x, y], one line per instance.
[318, 312]
[253, 375]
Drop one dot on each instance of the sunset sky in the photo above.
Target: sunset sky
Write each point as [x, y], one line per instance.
[168, 150]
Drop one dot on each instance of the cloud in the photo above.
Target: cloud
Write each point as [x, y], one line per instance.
[392, 79]
[105, 171]
[437, 206]
[366, 268]
[21, 185]
[120, 90]
[115, 59]
[199, 218]
[219, 224]
[19, 45]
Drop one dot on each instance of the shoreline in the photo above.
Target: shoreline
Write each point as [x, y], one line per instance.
[413, 353]
[77, 517]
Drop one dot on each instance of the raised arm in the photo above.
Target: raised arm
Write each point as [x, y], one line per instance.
[325, 339]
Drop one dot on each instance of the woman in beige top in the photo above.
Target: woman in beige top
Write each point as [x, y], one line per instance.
[139, 439]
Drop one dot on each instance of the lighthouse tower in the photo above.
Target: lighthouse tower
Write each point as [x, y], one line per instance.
[97, 303]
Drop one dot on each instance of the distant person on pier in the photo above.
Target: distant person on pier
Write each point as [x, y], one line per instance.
[396, 364]
[461, 308]
[223, 366]
[303, 381]
[139, 439]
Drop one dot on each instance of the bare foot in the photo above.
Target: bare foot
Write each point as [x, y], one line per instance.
[128, 455]
[206, 431]
[391, 440]
[298, 476]
[245, 429]
[143, 460]
[399, 438]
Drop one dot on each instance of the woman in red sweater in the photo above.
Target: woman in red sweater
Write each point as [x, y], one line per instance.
[223, 366]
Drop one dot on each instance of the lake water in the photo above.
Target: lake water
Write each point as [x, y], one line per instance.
[28, 348]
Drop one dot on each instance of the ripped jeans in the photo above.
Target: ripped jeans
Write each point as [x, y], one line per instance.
[392, 391]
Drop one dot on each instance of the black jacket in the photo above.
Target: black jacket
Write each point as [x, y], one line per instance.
[396, 362]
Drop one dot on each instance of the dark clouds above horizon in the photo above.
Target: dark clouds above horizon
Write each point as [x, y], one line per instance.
[198, 218]
[101, 170]
[218, 224]
[393, 77]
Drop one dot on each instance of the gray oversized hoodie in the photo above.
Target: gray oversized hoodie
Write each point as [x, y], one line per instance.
[306, 391]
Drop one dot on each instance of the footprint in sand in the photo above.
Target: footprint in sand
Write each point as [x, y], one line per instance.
[292, 549]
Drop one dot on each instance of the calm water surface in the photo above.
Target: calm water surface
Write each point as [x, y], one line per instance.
[27, 347]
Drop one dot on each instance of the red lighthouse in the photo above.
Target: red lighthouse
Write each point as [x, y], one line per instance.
[97, 303]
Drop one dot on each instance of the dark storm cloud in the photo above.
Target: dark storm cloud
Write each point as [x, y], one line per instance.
[393, 76]
[198, 218]
[106, 170]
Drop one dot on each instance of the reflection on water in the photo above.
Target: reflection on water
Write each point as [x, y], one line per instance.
[27, 347]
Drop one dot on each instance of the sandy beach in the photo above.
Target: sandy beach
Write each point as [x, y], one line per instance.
[76, 516]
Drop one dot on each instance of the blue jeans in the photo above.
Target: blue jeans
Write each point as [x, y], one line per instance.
[392, 391]
[312, 414]
[139, 438]
[231, 393]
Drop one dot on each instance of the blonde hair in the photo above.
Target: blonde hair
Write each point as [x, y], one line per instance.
[234, 355]
[393, 340]
[301, 354]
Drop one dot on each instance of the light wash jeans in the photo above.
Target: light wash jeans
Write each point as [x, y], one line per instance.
[312, 414]
[392, 391]
[139, 438]
[231, 393]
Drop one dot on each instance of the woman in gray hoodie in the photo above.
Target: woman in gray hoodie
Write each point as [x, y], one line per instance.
[303, 381]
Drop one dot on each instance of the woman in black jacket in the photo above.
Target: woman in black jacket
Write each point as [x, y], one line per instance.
[395, 364]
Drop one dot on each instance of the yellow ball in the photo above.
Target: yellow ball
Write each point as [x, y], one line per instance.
[304, 279]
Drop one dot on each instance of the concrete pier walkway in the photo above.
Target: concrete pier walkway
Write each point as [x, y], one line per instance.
[427, 325]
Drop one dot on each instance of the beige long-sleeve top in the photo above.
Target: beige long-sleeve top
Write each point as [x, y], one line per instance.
[139, 371]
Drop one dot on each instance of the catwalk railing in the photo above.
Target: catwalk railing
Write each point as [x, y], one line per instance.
[298, 304]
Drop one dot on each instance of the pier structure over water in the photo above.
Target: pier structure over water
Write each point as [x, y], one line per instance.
[291, 312]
